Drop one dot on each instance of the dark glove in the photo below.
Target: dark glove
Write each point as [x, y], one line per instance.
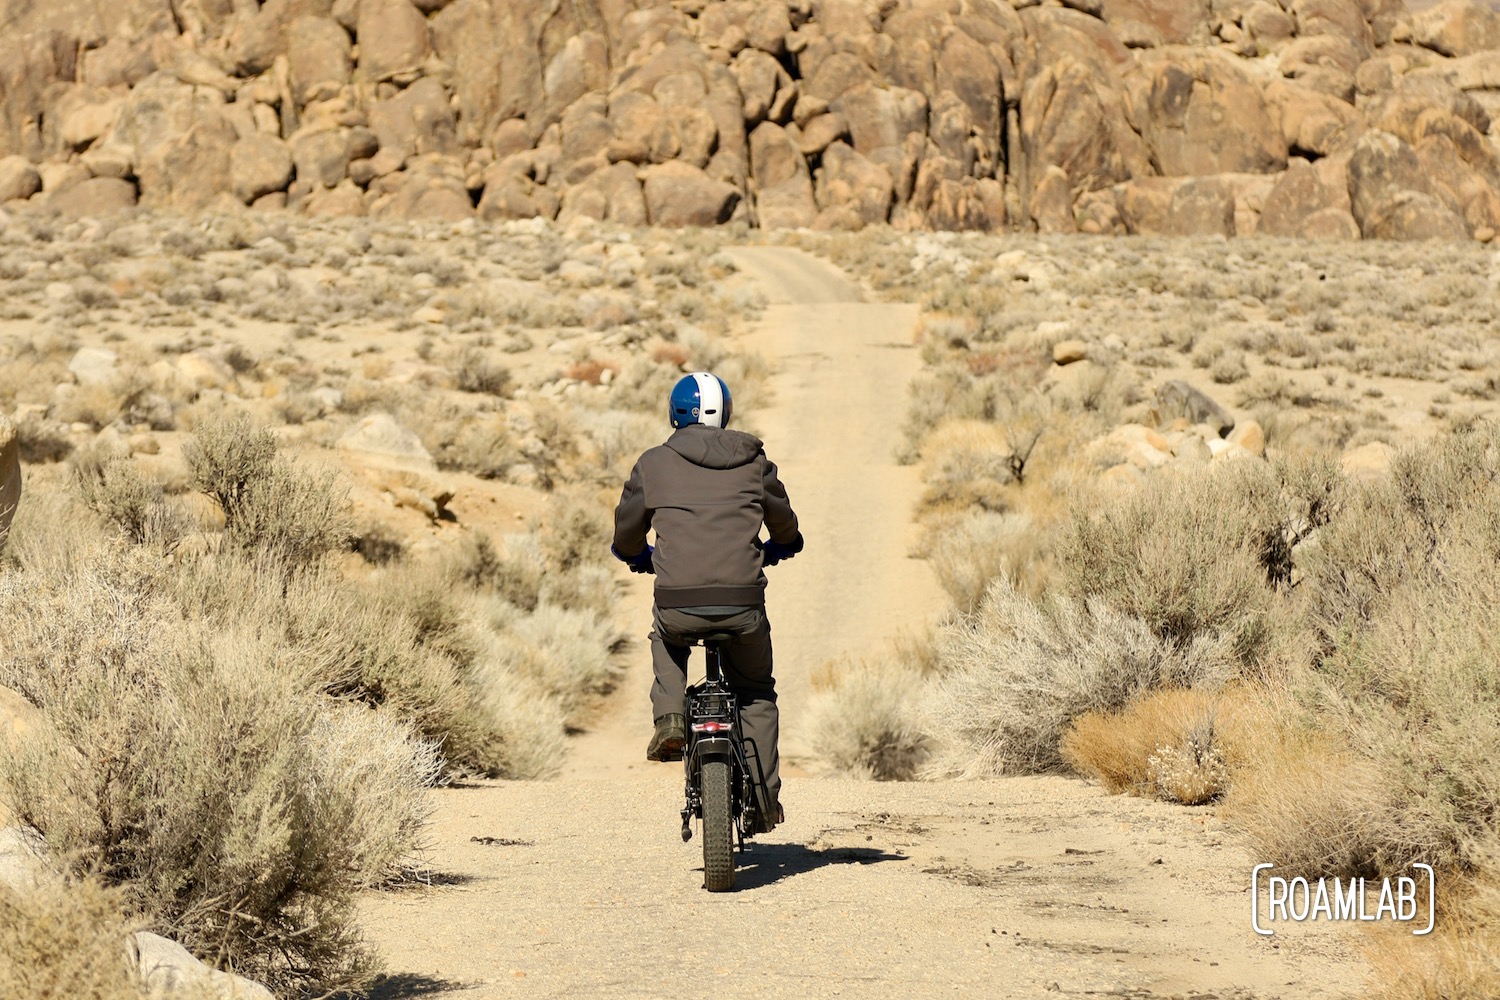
[776, 551]
[638, 563]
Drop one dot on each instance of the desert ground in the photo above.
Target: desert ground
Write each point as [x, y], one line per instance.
[580, 885]
[447, 413]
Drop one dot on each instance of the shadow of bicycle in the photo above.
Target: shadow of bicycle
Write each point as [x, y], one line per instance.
[405, 986]
[767, 864]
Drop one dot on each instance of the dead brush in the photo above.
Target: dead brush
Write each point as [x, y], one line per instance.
[66, 938]
[1461, 960]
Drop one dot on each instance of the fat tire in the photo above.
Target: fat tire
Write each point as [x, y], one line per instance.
[718, 828]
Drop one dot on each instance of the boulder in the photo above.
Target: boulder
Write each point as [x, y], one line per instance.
[109, 160]
[18, 179]
[425, 195]
[393, 39]
[169, 969]
[1267, 25]
[579, 67]
[94, 365]
[1179, 399]
[880, 119]
[259, 165]
[642, 131]
[1298, 195]
[10, 476]
[1067, 352]
[380, 440]
[1177, 206]
[1391, 195]
[96, 197]
[1249, 436]
[612, 194]
[417, 121]
[821, 132]
[190, 171]
[1324, 63]
[321, 156]
[1458, 27]
[344, 201]
[681, 195]
[87, 121]
[319, 58]
[760, 79]
[1413, 215]
[1052, 202]
[783, 187]
[1202, 113]
[1345, 19]
[847, 180]
[1145, 23]
[1077, 120]
[1312, 123]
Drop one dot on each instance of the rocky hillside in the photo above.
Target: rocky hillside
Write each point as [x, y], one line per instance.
[1314, 118]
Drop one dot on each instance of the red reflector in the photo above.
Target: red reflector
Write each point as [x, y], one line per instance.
[711, 727]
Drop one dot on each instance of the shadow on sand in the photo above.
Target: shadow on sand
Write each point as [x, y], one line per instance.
[405, 985]
[767, 864]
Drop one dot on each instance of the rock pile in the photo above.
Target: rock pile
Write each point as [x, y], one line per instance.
[1312, 118]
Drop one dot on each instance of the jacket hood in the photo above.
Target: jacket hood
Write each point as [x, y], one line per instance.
[714, 447]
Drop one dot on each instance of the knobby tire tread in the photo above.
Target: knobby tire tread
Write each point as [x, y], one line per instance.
[718, 828]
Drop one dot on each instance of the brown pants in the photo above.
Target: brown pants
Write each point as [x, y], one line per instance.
[747, 670]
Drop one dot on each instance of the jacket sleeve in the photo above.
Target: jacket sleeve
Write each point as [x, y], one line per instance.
[632, 518]
[781, 520]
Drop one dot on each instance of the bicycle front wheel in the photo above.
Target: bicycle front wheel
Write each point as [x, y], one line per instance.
[718, 828]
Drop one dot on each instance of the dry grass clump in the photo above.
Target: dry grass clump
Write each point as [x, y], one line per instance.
[968, 553]
[1126, 751]
[1014, 674]
[1461, 959]
[866, 717]
[66, 938]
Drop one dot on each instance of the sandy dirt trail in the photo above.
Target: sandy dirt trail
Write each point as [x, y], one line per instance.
[581, 887]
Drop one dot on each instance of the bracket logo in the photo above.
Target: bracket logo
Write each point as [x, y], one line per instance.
[1299, 899]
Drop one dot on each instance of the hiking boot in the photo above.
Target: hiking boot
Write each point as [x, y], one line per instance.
[669, 739]
[765, 824]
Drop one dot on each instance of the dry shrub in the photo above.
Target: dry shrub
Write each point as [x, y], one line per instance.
[866, 719]
[967, 464]
[569, 655]
[968, 554]
[618, 438]
[1116, 748]
[271, 506]
[192, 764]
[590, 371]
[1016, 673]
[1190, 555]
[525, 576]
[476, 371]
[1306, 803]
[42, 440]
[1460, 960]
[65, 938]
[113, 486]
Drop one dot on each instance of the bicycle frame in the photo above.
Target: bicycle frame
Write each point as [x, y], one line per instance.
[714, 734]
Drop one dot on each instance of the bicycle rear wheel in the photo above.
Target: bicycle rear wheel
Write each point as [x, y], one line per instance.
[718, 828]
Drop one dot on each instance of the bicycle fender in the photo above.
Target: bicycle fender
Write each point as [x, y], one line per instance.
[714, 748]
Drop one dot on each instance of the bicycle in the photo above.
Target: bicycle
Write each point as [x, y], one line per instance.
[726, 785]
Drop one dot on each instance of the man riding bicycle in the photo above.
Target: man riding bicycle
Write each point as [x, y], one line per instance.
[706, 493]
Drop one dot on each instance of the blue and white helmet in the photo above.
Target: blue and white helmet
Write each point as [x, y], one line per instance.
[700, 398]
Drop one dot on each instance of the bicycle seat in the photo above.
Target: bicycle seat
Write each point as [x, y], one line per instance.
[710, 638]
